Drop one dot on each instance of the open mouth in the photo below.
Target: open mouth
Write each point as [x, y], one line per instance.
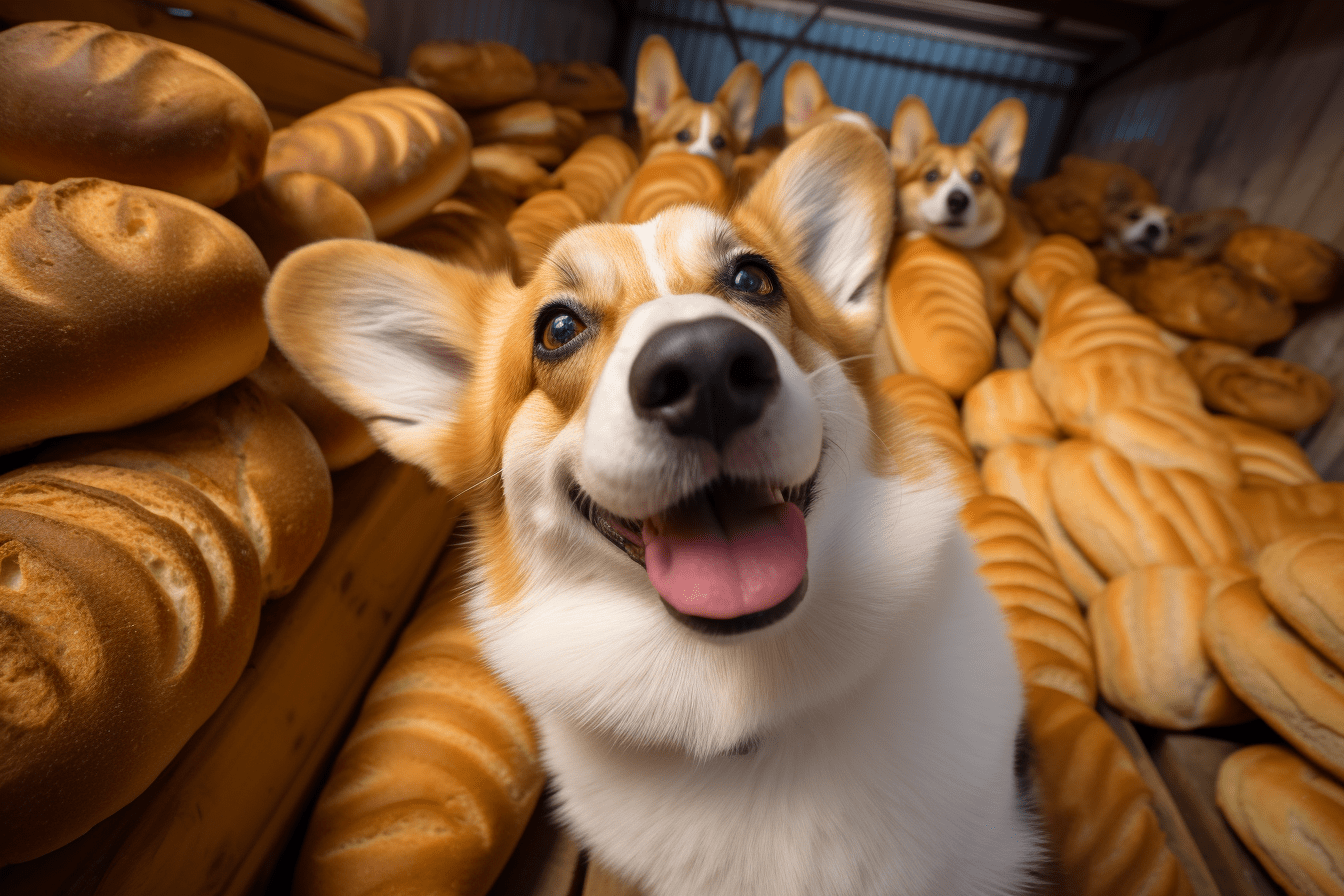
[729, 558]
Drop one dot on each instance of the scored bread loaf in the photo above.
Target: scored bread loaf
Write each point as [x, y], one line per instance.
[537, 224]
[672, 178]
[1265, 457]
[118, 304]
[1170, 437]
[510, 170]
[596, 171]
[583, 86]
[1302, 578]
[132, 571]
[936, 320]
[1269, 391]
[79, 99]
[1301, 268]
[1005, 407]
[927, 409]
[1288, 814]
[528, 121]
[456, 232]
[1054, 261]
[435, 783]
[294, 208]
[398, 150]
[472, 75]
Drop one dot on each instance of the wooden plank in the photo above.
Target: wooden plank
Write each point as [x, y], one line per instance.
[1189, 765]
[285, 79]
[218, 815]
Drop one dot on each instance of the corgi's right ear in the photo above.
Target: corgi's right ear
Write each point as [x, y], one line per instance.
[389, 334]
[911, 130]
[804, 94]
[658, 81]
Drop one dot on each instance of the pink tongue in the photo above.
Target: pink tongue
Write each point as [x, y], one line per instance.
[725, 571]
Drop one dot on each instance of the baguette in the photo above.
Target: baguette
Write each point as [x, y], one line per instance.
[596, 171]
[672, 178]
[1054, 261]
[529, 121]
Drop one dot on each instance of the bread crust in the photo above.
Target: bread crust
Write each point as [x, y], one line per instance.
[1270, 391]
[1302, 578]
[583, 86]
[470, 75]
[290, 209]
[1303, 269]
[672, 178]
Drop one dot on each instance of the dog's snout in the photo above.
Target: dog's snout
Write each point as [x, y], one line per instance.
[957, 201]
[705, 378]
[1152, 231]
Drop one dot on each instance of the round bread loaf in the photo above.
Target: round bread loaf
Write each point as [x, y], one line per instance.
[118, 304]
[1265, 457]
[1269, 391]
[79, 99]
[1302, 578]
[398, 150]
[472, 75]
[537, 223]
[672, 178]
[294, 208]
[1288, 814]
[342, 438]
[929, 411]
[456, 232]
[583, 86]
[596, 171]
[1005, 407]
[347, 17]
[1291, 263]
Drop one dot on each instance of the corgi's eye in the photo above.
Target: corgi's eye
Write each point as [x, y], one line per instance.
[976, 177]
[753, 276]
[718, 142]
[932, 176]
[1134, 215]
[557, 327]
[683, 136]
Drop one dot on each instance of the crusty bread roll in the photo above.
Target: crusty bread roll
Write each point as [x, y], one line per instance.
[1302, 578]
[294, 208]
[1288, 814]
[570, 128]
[529, 121]
[672, 178]
[1004, 407]
[131, 582]
[1292, 264]
[596, 171]
[510, 170]
[583, 86]
[119, 304]
[458, 233]
[433, 787]
[936, 320]
[1151, 663]
[346, 17]
[1276, 512]
[342, 438]
[1288, 684]
[398, 150]
[1054, 261]
[79, 99]
[537, 223]
[1265, 457]
[1170, 437]
[1269, 391]
[928, 410]
[472, 75]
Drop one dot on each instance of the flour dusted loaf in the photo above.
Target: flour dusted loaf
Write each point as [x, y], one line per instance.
[433, 787]
[132, 570]
[398, 150]
[118, 304]
[79, 99]
[472, 75]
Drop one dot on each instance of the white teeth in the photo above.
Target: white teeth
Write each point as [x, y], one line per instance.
[778, 495]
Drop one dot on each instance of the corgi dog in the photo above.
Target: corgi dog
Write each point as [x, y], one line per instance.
[1102, 203]
[808, 104]
[726, 580]
[671, 121]
[961, 194]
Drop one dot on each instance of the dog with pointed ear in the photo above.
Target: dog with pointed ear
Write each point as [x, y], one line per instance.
[670, 120]
[808, 104]
[715, 567]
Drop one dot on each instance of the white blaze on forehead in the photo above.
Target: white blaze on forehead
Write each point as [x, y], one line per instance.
[647, 235]
[1135, 234]
[934, 208]
[701, 146]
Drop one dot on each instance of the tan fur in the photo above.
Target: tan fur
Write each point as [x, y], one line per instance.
[808, 104]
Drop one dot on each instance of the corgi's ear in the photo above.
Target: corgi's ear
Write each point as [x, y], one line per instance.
[741, 93]
[1002, 133]
[804, 94]
[387, 333]
[828, 204]
[911, 130]
[658, 81]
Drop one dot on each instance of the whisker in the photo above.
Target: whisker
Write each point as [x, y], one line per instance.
[836, 363]
[498, 472]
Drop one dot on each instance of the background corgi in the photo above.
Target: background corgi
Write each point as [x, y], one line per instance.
[671, 121]
[1104, 203]
[726, 580]
[808, 104]
[962, 194]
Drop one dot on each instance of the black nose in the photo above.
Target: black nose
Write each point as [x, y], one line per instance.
[957, 201]
[1152, 231]
[707, 378]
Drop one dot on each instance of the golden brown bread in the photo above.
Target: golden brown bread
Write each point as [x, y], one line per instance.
[1288, 814]
[436, 781]
[472, 75]
[1275, 512]
[1170, 437]
[346, 17]
[398, 150]
[673, 178]
[1201, 235]
[528, 121]
[1302, 578]
[1054, 261]
[537, 224]
[1288, 684]
[1151, 663]
[483, 196]
[1265, 457]
[1024, 327]
[1075, 200]
[294, 208]
[1292, 264]
[1269, 391]
[596, 171]
[1005, 407]
[930, 412]
[936, 321]
[118, 304]
[342, 438]
[132, 570]
[509, 170]
[458, 233]
[583, 86]
[79, 99]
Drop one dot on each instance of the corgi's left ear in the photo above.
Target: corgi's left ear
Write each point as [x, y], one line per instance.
[804, 95]
[741, 93]
[1002, 133]
[658, 81]
[828, 204]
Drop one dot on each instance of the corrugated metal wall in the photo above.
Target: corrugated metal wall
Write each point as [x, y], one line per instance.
[864, 67]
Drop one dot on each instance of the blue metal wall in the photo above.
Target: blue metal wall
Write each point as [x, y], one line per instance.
[864, 67]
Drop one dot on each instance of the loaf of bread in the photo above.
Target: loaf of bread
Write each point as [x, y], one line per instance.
[433, 787]
[1054, 261]
[1294, 265]
[458, 233]
[398, 150]
[1270, 391]
[1024, 327]
[1170, 437]
[79, 99]
[1289, 815]
[932, 417]
[1288, 684]
[120, 304]
[1276, 512]
[132, 570]
[294, 208]
[537, 224]
[582, 86]
[1302, 578]
[1004, 407]
[936, 321]
[1151, 663]
[1201, 235]
[528, 121]
[673, 178]
[485, 197]
[595, 172]
[472, 75]
[1265, 457]
[346, 17]
[343, 439]
[508, 169]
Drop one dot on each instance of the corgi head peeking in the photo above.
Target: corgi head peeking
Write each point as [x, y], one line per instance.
[957, 193]
[808, 104]
[1134, 223]
[671, 121]
[681, 476]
